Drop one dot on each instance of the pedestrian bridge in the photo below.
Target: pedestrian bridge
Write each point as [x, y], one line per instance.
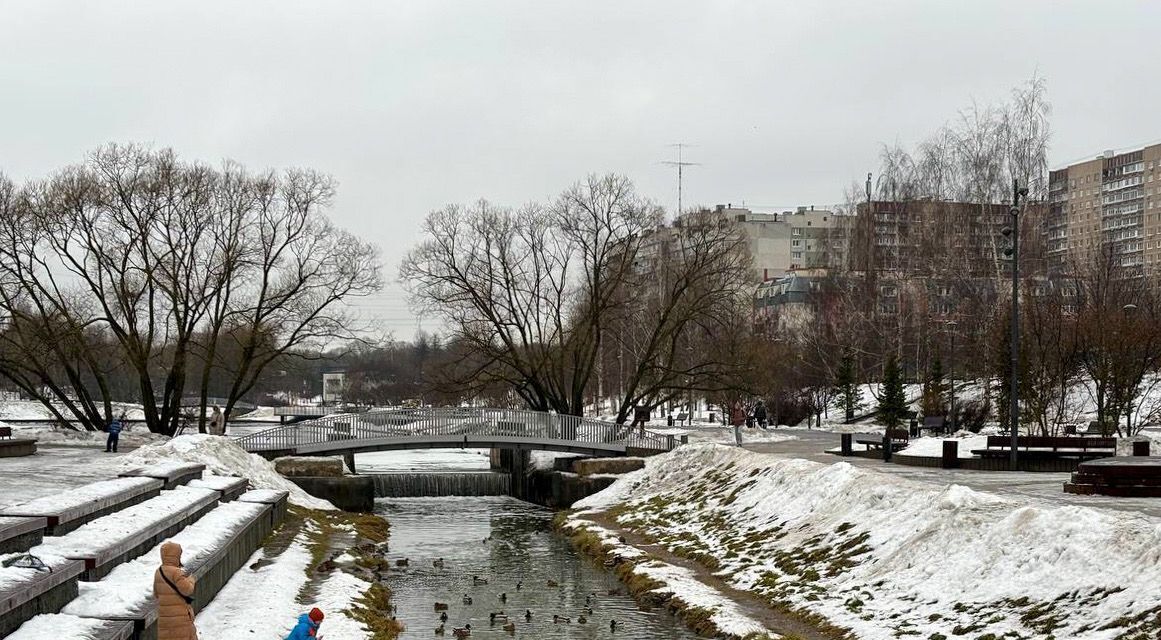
[454, 428]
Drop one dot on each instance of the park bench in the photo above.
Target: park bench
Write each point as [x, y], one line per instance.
[70, 509]
[6, 432]
[934, 424]
[173, 474]
[213, 548]
[899, 438]
[29, 592]
[57, 625]
[20, 533]
[1045, 447]
[228, 487]
[119, 537]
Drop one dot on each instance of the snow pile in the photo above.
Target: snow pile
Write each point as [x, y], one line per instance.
[223, 457]
[881, 554]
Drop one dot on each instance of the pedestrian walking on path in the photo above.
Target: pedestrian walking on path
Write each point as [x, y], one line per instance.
[217, 422]
[114, 430]
[738, 418]
[174, 591]
[307, 627]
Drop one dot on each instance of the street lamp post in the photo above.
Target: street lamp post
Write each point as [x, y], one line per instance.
[1014, 253]
[951, 324]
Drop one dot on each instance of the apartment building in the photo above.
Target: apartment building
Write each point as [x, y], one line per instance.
[1110, 203]
[926, 236]
[788, 241]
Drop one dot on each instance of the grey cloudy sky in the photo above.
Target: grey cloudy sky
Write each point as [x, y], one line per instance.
[413, 105]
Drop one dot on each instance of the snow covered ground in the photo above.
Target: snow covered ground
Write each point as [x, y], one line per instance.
[133, 435]
[883, 555]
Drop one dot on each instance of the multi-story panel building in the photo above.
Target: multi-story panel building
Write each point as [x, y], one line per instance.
[1108, 204]
[789, 241]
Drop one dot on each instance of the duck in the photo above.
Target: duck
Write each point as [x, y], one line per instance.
[510, 628]
[589, 610]
[553, 583]
[519, 585]
[439, 630]
[477, 580]
[497, 615]
[559, 619]
[614, 592]
[441, 606]
[528, 615]
[582, 619]
[443, 617]
[437, 563]
[467, 599]
[612, 625]
[402, 562]
[465, 632]
[503, 597]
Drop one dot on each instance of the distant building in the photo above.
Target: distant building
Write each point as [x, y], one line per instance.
[788, 303]
[1113, 203]
[925, 237]
[789, 241]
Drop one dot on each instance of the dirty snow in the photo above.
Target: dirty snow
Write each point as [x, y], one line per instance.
[897, 555]
[223, 457]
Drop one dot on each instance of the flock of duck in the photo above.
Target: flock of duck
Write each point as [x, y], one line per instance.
[502, 618]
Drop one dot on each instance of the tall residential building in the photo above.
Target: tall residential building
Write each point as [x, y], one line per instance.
[790, 241]
[1110, 203]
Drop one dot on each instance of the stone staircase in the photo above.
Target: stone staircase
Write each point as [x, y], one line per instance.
[94, 549]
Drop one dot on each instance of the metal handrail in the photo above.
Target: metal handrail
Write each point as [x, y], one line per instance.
[419, 424]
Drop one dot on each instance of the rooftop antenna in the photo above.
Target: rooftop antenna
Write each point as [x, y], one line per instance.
[680, 164]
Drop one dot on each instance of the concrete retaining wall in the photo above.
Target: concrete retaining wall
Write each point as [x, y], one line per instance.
[349, 493]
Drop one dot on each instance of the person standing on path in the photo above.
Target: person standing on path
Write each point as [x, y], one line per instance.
[738, 418]
[217, 422]
[114, 430]
[174, 591]
[760, 414]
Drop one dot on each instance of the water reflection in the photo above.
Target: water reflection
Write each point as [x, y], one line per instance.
[508, 543]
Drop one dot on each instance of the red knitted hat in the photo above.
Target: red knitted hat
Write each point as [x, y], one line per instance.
[316, 614]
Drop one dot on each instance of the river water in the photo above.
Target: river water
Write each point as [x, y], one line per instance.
[505, 541]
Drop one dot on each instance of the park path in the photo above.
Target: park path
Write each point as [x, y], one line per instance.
[1021, 486]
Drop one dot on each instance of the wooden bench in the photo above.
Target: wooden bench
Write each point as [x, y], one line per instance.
[30, 592]
[20, 533]
[6, 432]
[68, 510]
[936, 424]
[122, 536]
[228, 487]
[1049, 447]
[899, 438]
[44, 625]
[173, 474]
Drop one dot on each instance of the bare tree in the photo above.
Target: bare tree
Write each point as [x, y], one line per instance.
[168, 258]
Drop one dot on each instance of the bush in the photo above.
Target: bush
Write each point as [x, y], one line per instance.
[972, 415]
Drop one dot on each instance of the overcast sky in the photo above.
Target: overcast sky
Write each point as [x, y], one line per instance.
[415, 105]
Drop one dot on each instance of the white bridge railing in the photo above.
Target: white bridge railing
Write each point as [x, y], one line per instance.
[437, 424]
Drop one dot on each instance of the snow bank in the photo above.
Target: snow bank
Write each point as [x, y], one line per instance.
[223, 457]
[878, 553]
[679, 582]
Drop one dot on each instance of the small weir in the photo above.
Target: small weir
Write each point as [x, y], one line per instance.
[438, 485]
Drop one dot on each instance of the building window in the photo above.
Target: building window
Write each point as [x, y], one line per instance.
[797, 231]
[888, 291]
[796, 255]
[796, 243]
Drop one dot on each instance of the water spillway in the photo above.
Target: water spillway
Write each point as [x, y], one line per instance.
[437, 485]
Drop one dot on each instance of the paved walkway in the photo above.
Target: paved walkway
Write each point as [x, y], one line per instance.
[1043, 487]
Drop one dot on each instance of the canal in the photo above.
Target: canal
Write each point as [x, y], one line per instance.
[508, 543]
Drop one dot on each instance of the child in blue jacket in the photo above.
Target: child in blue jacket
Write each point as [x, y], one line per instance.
[114, 434]
[307, 627]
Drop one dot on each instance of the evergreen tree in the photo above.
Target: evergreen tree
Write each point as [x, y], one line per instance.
[847, 388]
[935, 391]
[893, 404]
